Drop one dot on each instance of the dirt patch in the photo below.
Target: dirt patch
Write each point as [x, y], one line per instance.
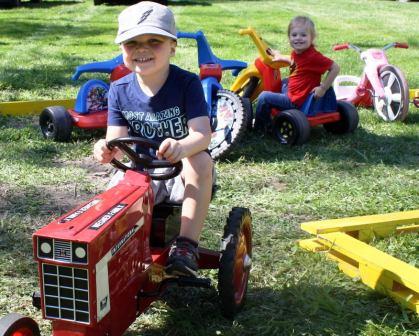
[53, 200]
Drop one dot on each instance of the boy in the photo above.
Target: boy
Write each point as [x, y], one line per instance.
[162, 102]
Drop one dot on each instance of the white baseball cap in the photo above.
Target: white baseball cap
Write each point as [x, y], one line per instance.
[145, 17]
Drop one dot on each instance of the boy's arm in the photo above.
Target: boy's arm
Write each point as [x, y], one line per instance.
[327, 81]
[198, 139]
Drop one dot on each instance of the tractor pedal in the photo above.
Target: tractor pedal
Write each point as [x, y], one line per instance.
[184, 281]
[36, 300]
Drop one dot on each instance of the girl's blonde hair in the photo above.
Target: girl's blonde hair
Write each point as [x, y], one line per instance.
[303, 20]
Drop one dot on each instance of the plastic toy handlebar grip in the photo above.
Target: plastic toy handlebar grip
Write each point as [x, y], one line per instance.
[246, 31]
[186, 35]
[401, 45]
[341, 46]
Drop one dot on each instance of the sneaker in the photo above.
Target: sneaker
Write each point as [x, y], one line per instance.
[183, 258]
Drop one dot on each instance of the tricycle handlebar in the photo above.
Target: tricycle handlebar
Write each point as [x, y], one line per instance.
[264, 50]
[188, 35]
[358, 49]
[396, 45]
[205, 54]
[105, 67]
[338, 47]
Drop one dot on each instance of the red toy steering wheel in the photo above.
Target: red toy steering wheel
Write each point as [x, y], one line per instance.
[141, 161]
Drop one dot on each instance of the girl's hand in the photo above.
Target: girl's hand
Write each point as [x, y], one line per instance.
[102, 153]
[277, 56]
[171, 150]
[319, 91]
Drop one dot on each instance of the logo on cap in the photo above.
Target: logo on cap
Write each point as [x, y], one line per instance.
[145, 16]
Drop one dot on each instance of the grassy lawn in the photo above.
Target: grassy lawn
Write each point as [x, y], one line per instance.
[292, 292]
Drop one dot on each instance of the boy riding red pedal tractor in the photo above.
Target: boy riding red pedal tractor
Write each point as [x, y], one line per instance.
[111, 251]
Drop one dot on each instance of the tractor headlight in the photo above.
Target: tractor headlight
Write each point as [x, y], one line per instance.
[79, 253]
[45, 248]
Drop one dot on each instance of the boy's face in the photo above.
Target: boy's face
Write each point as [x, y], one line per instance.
[148, 54]
[300, 38]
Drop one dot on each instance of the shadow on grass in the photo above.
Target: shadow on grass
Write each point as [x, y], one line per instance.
[349, 150]
[301, 309]
[23, 29]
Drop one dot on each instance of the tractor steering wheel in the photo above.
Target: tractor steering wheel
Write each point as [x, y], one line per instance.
[141, 161]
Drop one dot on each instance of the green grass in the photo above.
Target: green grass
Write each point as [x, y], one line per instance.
[292, 292]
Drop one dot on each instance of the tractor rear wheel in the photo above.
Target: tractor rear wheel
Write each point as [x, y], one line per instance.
[235, 261]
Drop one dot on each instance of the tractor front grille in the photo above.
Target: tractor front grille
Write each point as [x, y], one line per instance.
[62, 250]
[66, 293]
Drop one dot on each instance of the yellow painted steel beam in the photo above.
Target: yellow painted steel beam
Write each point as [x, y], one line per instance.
[366, 227]
[375, 268]
[24, 108]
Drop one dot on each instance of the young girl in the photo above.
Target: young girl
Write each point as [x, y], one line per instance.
[306, 69]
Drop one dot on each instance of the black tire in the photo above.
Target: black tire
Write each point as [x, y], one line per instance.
[56, 123]
[247, 104]
[235, 261]
[396, 105]
[231, 123]
[10, 4]
[250, 87]
[16, 324]
[348, 122]
[291, 127]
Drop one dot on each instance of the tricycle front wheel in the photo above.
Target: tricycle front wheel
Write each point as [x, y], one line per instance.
[18, 325]
[235, 261]
[231, 124]
[395, 105]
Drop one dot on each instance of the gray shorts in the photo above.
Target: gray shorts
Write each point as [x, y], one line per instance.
[171, 191]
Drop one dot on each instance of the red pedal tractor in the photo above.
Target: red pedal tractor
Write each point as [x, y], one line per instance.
[111, 252]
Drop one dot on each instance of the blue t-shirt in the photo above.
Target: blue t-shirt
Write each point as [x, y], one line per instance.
[162, 116]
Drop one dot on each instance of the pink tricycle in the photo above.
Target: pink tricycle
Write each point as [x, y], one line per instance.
[381, 84]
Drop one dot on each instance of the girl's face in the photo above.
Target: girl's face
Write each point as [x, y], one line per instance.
[148, 54]
[300, 38]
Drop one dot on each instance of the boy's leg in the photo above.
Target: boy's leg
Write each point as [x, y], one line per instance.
[197, 175]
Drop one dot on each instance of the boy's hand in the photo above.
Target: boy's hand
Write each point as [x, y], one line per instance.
[171, 150]
[102, 153]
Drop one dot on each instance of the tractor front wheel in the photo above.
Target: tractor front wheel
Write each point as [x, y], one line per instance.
[18, 325]
[235, 261]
